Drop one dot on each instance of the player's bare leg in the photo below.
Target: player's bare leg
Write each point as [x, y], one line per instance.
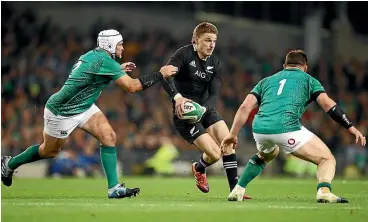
[212, 154]
[51, 146]
[100, 128]
[316, 151]
[218, 132]
[48, 149]
[253, 168]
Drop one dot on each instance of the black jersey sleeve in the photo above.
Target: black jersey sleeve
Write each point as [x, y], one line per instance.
[214, 89]
[176, 60]
[169, 87]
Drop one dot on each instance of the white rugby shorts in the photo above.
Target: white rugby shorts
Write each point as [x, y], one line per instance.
[61, 126]
[288, 142]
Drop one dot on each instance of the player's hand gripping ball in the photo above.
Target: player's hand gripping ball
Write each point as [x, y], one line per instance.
[193, 112]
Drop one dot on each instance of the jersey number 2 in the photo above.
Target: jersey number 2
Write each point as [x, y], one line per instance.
[282, 83]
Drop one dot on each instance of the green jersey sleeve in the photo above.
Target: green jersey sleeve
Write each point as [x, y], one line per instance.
[256, 91]
[112, 69]
[315, 88]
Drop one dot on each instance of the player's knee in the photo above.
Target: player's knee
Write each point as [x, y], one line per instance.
[332, 159]
[324, 156]
[275, 152]
[48, 151]
[328, 158]
[267, 157]
[108, 138]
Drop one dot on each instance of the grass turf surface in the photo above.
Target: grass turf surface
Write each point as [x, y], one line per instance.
[177, 199]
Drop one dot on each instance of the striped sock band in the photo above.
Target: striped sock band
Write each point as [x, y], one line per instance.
[231, 167]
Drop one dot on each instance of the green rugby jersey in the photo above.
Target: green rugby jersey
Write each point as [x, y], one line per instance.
[89, 76]
[282, 99]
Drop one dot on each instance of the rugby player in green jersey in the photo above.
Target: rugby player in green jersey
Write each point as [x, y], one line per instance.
[74, 106]
[282, 99]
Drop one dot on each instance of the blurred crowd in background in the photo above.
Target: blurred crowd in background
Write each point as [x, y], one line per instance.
[37, 55]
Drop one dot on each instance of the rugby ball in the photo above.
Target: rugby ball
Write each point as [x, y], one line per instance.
[193, 112]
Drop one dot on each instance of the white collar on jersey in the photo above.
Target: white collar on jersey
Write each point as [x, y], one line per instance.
[295, 68]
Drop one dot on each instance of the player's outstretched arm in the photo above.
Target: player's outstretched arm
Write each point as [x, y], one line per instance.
[337, 114]
[240, 119]
[144, 82]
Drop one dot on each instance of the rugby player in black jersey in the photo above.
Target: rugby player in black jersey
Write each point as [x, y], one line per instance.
[199, 80]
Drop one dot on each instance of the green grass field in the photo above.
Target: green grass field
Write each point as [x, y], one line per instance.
[178, 200]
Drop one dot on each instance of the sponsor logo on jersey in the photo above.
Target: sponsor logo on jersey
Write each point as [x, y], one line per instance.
[200, 74]
[209, 69]
[63, 132]
[192, 63]
[291, 141]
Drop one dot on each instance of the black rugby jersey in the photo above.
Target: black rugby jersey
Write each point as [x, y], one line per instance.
[196, 79]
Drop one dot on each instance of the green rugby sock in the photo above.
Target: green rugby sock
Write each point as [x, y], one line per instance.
[253, 168]
[108, 160]
[30, 155]
[324, 184]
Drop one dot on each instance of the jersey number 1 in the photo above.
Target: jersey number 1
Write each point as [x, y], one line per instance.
[282, 83]
[76, 66]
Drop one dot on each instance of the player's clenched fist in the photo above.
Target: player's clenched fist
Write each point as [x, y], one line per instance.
[168, 71]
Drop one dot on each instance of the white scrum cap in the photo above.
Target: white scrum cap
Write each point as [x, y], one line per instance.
[108, 39]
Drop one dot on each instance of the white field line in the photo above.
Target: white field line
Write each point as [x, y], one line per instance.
[161, 205]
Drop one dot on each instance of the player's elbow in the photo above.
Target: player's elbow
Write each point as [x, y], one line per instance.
[325, 102]
[131, 89]
[134, 87]
[249, 104]
[245, 108]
